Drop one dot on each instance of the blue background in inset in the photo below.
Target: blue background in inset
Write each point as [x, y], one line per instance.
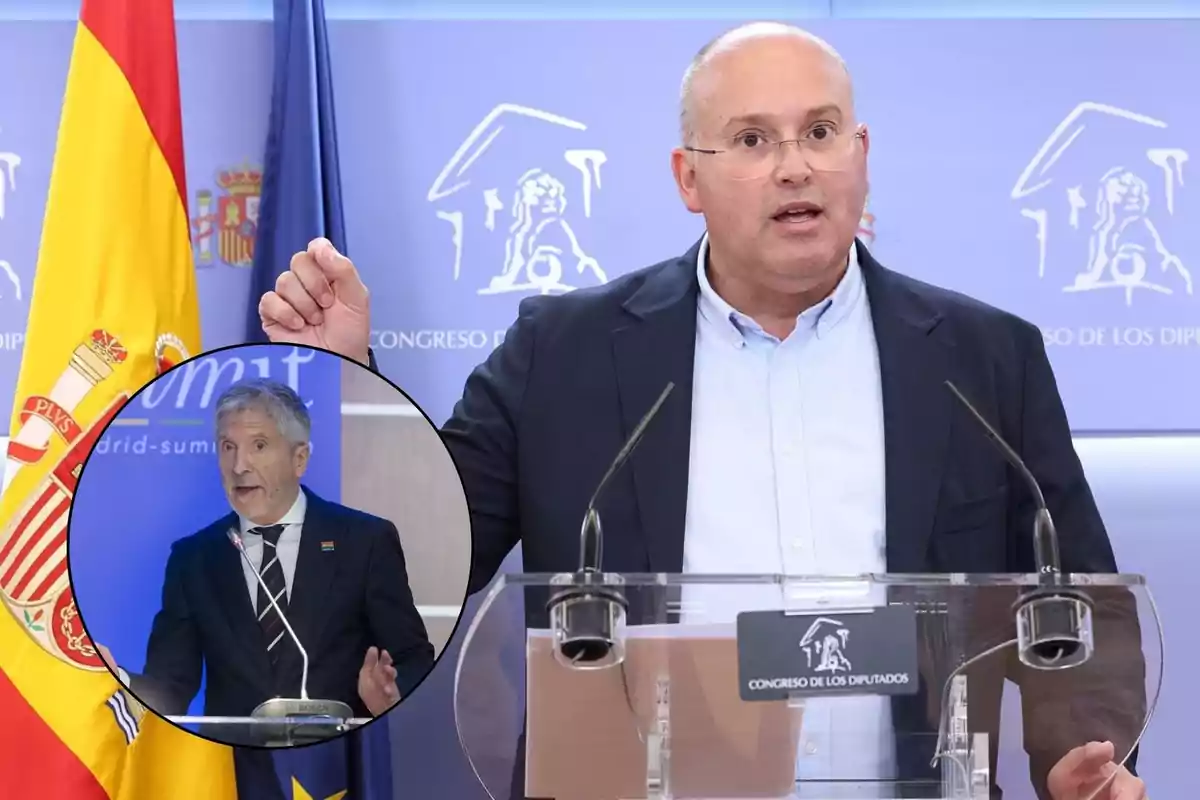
[153, 479]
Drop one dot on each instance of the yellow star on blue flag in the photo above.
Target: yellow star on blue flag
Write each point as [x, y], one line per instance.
[300, 793]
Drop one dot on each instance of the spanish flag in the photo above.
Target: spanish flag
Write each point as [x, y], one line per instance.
[113, 304]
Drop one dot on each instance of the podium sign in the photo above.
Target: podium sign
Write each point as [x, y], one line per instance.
[848, 651]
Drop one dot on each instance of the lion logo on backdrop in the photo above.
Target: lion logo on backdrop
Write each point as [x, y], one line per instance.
[224, 231]
[10, 281]
[1103, 193]
[824, 646]
[517, 195]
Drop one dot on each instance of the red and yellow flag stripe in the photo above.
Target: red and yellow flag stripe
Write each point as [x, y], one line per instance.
[113, 302]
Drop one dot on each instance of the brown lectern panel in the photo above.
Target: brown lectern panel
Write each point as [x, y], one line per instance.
[586, 729]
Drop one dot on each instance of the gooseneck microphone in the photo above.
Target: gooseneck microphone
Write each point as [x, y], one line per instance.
[587, 614]
[1054, 622]
[591, 547]
[1045, 537]
[303, 706]
[236, 538]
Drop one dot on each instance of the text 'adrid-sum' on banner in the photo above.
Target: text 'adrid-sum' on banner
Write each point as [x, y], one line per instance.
[172, 417]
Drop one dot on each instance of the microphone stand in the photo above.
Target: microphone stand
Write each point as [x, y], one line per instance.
[283, 708]
[1054, 621]
[587, 616]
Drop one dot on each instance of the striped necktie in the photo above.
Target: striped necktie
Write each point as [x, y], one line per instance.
[272, 576]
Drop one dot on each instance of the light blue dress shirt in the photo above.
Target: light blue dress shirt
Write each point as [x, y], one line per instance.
[786, 475]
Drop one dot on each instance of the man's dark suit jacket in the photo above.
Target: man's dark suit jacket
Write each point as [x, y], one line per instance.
[542, 418]
[343, 601]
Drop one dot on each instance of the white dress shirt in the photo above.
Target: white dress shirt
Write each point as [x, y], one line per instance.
[786, 475]
[288, 548]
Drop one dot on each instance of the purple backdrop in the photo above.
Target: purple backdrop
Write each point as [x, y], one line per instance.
[990, 175]
[1010, 160]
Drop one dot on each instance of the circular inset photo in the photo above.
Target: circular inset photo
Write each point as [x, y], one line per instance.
[269, 546]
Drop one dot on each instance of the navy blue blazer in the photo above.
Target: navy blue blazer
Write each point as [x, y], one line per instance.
[343, 601]
[541, 419]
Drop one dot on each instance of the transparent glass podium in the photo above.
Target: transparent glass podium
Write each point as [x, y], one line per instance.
[269, 731]
[588, 686]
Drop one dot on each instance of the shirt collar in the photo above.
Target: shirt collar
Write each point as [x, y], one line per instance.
[820, 319]
[294, 515]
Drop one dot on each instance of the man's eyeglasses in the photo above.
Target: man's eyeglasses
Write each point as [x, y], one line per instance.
[753, 155]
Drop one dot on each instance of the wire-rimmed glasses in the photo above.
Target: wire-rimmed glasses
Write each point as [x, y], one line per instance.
[751, 155]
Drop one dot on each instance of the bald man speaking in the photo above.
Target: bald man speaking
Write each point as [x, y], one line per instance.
[810, 431]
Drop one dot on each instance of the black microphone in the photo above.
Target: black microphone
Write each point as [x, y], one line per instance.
[591, 548]
[1045, 537]
[303, 706]
[1054, 622]
[587, 615]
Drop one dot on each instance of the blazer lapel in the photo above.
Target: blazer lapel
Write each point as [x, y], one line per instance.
[915, 360]
[224, 567]
[315, 570]
[655, 348]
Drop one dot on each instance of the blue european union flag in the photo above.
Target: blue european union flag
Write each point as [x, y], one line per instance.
[301, 193]
[357, 766]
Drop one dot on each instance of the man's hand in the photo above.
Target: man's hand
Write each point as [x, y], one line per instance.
[1089, 773]
[107, 657]
[377, 682]
[321, 302]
